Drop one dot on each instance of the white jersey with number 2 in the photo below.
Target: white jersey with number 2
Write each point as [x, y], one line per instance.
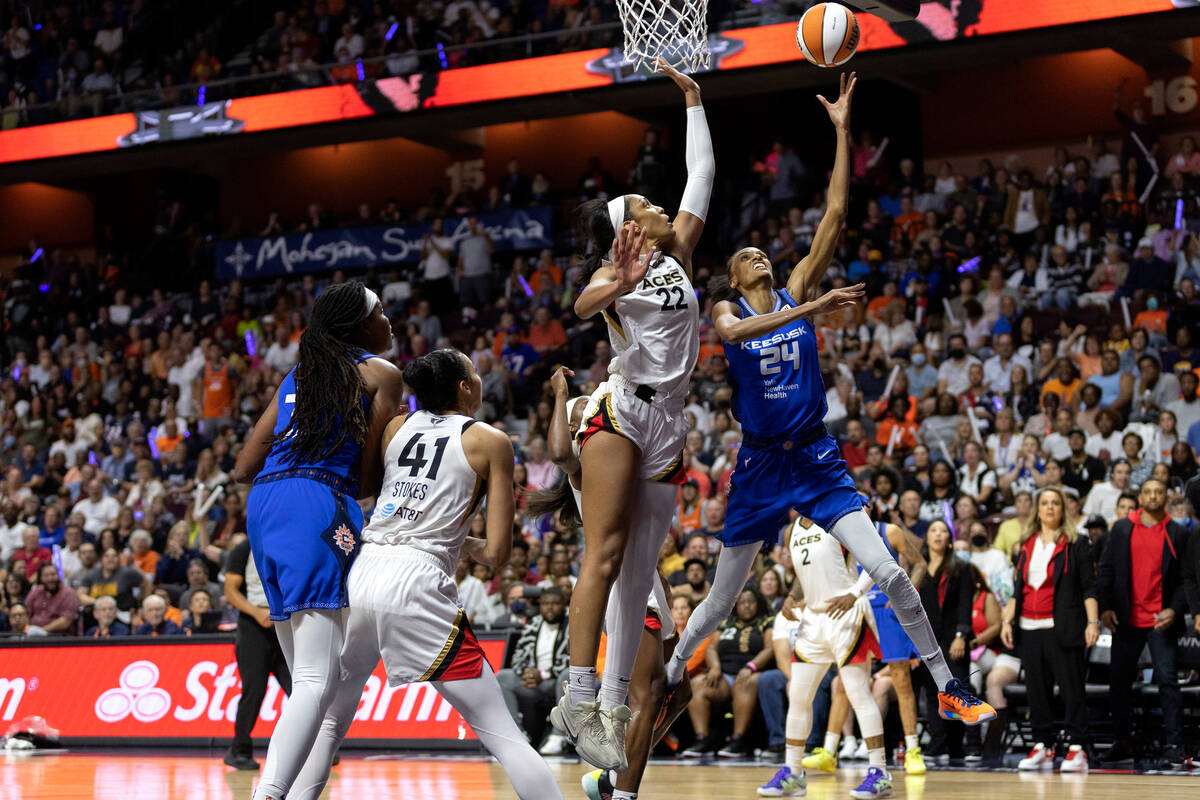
[820, 564]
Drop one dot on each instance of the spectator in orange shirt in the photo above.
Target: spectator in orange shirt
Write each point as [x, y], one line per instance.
[205, 68]
[546, 334]
[546, 275]
[877, 308]
[896, 429]
[688, 511]
[170, 437]
[1066, 383]
[710, 346]
[499, 338]
[909, 222]
[140, 556]
[1153, 319]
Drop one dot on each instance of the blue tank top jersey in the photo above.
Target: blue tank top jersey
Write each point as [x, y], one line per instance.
[340, 463]
[777, 386]
[875, 595]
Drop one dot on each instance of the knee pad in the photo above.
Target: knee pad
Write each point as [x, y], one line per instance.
[899, 589]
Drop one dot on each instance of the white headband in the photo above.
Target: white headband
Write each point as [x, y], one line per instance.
[371, 299]
[616, 213]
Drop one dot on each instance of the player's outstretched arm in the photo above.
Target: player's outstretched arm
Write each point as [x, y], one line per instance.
[734, 329]
[258, 444]
[701, 169]
[811, 270]
[558, 438]
[622, 276]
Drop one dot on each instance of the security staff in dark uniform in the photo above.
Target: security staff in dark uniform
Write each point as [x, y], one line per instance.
[257, 648]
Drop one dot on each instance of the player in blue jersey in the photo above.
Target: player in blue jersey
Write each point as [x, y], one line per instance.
[312, 454]
[787, 460]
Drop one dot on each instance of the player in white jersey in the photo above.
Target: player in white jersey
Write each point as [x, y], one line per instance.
[647, 683]
[439, 463]
[836, 627]
[640, 272]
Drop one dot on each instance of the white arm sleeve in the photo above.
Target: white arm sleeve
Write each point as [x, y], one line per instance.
[863, 583]
[701, 166]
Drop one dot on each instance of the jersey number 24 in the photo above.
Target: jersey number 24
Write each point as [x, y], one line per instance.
[772, 357]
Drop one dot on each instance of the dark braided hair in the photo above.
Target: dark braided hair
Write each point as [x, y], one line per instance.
[594, 228]
[718, 285]
[329, 388]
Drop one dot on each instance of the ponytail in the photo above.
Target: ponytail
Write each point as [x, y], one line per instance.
[557, 499]
[434, 378]
[594, 229]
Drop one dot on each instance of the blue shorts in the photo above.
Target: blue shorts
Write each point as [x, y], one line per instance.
[894, 643]
[766, 484]
[304, 536]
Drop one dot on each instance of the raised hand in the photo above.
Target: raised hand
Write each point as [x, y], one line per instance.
[690, 88]
[628, 261]
[839, 112]
[558, 381]
[838, 298]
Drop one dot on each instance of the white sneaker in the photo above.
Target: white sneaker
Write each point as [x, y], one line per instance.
[568, 718]
[860, 752]
[600, 737]
[1038, 758]
[554, 745]
[1076, 760]
[849, 747]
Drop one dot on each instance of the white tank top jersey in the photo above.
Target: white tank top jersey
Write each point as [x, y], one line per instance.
[429, 489]
[821, 565]
[655, 329]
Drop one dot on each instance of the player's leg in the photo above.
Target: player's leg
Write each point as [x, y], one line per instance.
[732, 569]
[611, 478]
[481, 704]
[315, 774]
[900, 673]
[625, 618]
[314, 640]
[856, 680]
[806, 678]
[646, 691]
[824, 757]
[1004, 672]
[858, 534]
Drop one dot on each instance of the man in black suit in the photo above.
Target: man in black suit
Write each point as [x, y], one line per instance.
[1142, 601]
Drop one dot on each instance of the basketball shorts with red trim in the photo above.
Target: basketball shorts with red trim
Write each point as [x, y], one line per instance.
[405, 608]
[845, 640]
[657, 427]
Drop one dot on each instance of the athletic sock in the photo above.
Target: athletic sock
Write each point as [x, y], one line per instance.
[793, 758]
[877, 758]
[675, 670]
[613, 690]
[581, 684]
[831, 741]
[912, 741]
[936, 663]
[621, 794]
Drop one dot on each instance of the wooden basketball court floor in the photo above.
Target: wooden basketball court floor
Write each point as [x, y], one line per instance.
[158, 775]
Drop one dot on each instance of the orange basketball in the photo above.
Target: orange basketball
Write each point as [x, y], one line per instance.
[827, 34]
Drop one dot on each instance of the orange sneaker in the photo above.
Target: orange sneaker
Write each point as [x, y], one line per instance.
[957, 702]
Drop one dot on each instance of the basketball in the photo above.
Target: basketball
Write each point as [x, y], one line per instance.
[827, 34]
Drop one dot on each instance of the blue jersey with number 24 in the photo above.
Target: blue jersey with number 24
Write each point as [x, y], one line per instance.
[777, 386]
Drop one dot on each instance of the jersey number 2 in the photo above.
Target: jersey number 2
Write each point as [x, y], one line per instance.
[772, 356]
[413, 456]
[672, 292]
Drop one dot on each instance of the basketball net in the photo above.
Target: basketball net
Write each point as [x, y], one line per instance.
[674, 30]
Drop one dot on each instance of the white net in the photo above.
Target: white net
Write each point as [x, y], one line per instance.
[675, 30]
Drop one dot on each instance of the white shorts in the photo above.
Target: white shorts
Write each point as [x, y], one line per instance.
[989, 659]
[657, 427]
[825, 640]
[405, 608]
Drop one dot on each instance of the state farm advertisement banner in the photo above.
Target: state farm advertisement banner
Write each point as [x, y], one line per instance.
[191, 690]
